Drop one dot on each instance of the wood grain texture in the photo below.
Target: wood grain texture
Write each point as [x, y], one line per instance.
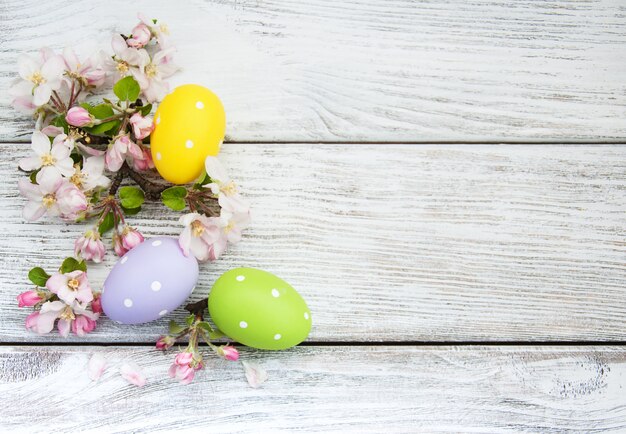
[323, 389]
[367, 70]
[394, 242]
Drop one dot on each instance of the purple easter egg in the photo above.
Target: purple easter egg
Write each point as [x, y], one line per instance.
[149, 281]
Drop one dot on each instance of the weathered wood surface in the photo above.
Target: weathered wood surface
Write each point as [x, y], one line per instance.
[323, 389]
[395, 242]
[369, 70]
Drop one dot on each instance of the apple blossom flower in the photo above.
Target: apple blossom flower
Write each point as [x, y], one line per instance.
[97, 365]
[158, 30]
[132, 373]
[141, 35]
[91, 175]
[71, 201]
[165, 342]
[47, 156]
[116, 153]
[71, 286]
[223, 187]
[118, 247]
[28, 299]
[79, 117]
[88, 72]
[31, 321]
[255, 374]
[130, 238]
[184, 367]
[48, 314]
[82, 325]
[126, 59]
[202, 236]
[90, 247]
[38, 79]
[142, 126]
[152, 73]
[232, 224]
[42, 197]
[143, 163]
[228, 352]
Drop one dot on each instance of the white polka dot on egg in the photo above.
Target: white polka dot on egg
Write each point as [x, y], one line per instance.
[189, 144]
[243, 324]
[155, 286]
[158, 156]
[240, 278]
[156, 243]
[306, 315]
[277, 336]
[163, 312]
[128, 302]
[200, 105]
[275, 293]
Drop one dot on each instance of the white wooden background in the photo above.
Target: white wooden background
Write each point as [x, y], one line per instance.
[444, 182]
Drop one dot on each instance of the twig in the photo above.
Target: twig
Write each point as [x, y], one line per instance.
[198, 308]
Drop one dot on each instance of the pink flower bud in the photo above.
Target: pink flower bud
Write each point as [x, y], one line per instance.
[144, 163]
[140, 37]
[131, 237]
[183, 358]
[165, 342]
[90, 247]
[96, 304]
[142, 126]
[83, 325]
[71, 201]
[228, 352]
[28, 298]
[117, 245]
[79, 117]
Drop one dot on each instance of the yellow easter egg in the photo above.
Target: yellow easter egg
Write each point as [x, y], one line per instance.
[189, 125]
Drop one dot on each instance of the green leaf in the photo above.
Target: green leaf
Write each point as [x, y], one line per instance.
[145, 110]
[131, 197]
[203, 180]
[174, 198]
[71, 264]
[38, 276]
[190, 319]
[216, 334]
[60, 122]
[175, 328]
[33, 176]
[101, 111]
[127, 89]
[131, 211]
[205, 326]
[107, 223]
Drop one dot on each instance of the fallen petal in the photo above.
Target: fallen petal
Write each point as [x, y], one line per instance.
[132, 373]
[96, 367]
[255, 374]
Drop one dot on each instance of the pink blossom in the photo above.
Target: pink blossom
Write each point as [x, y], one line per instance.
[232, 225]
[152, 74]
[48, 157]
[165, 342]
[158, 29]
[202, 236]
[141, 35]
[132, 373]
[255, 374]
[71, 201]
[131, 237]
[79, 117]
[42, 197]
[38, 79]
[96, 304]
[28, 298]
[96, 367]
[224, 188]
[71, 286]
[83, 325]
[116, 153]
[118, 247]
[143, 163]
[184, 367]
[91, 175]
[44, 322]
[88, 72]
[90, 247]
[126, 59]
[228, 352]
[142, 126]
[31, 321]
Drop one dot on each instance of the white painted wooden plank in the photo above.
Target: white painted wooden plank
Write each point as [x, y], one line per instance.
[323, 389]
[395, 242]
[369, 70]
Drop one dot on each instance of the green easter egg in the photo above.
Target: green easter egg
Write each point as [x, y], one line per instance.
[259, 310]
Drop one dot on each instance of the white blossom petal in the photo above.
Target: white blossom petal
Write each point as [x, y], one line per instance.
[255, 374]
[97, 365]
